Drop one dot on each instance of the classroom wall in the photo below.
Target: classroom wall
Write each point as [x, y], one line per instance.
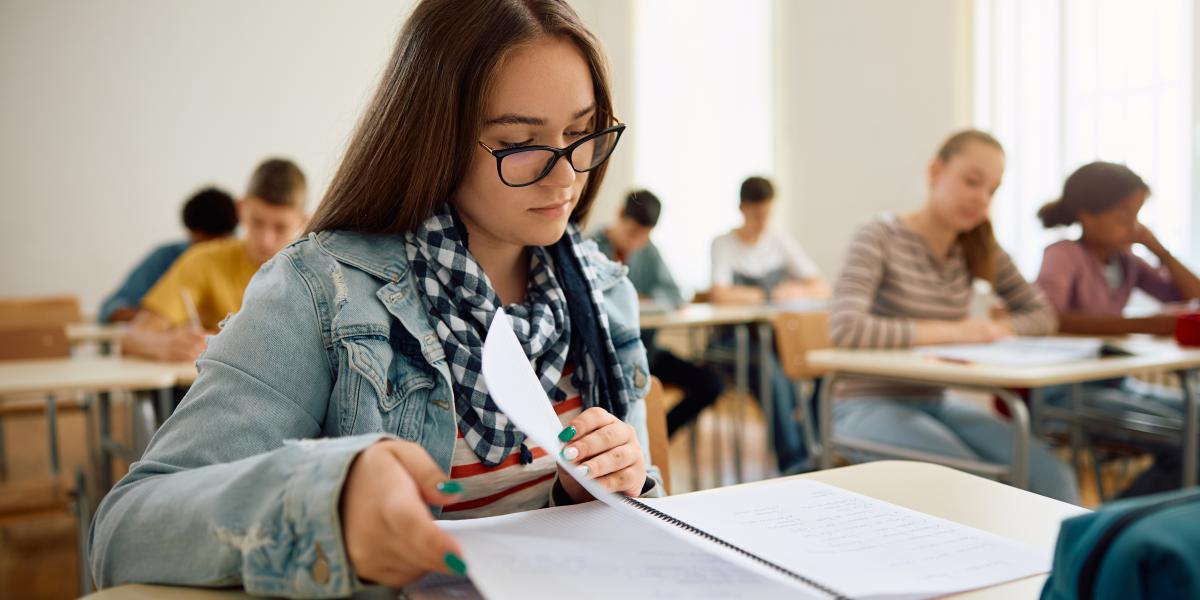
[114, 112]
[865, 92]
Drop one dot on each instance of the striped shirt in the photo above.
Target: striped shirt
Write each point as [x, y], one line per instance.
[509, 486]
[891, 279]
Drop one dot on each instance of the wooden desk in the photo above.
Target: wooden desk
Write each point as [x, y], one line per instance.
[701, 316]
[935, 490]
[49, 377]
[108, 337]
[909, 367]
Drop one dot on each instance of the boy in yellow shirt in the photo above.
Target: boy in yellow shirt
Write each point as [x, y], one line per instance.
[206, 283]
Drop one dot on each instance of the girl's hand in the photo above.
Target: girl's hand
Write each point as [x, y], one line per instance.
[390, 535]
[1142, 235]
[608, 448]
[986, 330]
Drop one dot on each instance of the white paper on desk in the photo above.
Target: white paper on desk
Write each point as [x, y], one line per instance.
[591, 551]
[515, 388]
[1019, 351]
[860, 546]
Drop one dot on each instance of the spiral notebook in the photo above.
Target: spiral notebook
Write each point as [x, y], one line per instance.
[787, 538]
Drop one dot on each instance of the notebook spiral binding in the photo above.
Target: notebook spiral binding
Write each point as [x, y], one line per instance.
[834, 594]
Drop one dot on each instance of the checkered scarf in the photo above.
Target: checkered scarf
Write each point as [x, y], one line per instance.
[462, 302]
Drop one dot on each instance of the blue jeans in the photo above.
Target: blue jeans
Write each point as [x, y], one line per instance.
[951, 429]
[790, 451]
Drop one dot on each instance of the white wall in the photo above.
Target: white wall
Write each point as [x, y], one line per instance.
[113, 112]
[866, 90]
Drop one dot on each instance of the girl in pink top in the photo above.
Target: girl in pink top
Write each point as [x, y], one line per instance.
[1089, 280]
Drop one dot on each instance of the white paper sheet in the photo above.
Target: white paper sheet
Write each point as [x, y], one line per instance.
[516, 390]
[591, 551]
[1019, 351]
[859, 546]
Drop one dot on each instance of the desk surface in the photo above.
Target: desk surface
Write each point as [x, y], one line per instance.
[1152, 354]
[94, 332]
[91, 374]
[931, 489]
[704, 314]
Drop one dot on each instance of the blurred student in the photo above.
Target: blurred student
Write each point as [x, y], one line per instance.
[628, 241]
[206, 283]
[1089, 280]
[755, 264]
[208, 215]
[908, 281]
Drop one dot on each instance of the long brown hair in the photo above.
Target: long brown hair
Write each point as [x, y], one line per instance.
[979, 244]
[414, 143]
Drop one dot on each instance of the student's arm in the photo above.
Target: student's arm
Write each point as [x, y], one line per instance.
[853, 325]
[737, 294]
[151, 336]
[1028, 310]
[162, 329]
[723, 290]
[122, 305]
[1181, 284]
[813, 287]
[234, 490]
[666, 288]
[804, 278]
[1057, 279]
[1090, 324]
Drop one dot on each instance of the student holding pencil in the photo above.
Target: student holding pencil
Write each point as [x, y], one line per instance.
[206, 283]
[342, 410]
[907, 281]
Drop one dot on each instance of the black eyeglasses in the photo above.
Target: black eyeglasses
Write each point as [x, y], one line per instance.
[526, 165]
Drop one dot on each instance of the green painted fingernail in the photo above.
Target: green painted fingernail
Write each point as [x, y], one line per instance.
[566, 434]
[449, 487]
[455, 564]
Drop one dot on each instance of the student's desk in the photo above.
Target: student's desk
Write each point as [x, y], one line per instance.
[50, 377]
[694, 317]
[906, 366]
[106, 337]
[935, 490]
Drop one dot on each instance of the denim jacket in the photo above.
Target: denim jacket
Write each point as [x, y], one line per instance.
[241, 485]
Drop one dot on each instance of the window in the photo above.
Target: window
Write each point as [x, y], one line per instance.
[1067, 82]
[703, 117]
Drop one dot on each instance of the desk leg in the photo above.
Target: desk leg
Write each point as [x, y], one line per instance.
[166, 405]
[104, 416]
[694, 428]
[1020, 424]
[694, 452]
[825, 418]
[1191, 428]
[766, 388]
[1076, 427]
[742, 335]
[52, 432]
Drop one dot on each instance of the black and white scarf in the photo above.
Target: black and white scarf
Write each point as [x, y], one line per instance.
[562, 292]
